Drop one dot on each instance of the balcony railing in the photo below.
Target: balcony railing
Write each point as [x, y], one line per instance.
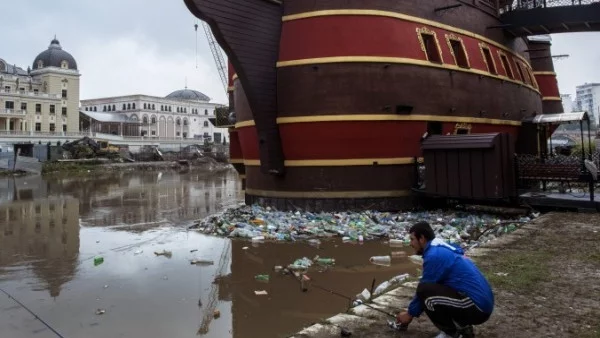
[13, 112]
[30, 94]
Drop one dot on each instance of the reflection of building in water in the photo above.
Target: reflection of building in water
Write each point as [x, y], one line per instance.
[22, 188]
[159, 197]
[45, 232]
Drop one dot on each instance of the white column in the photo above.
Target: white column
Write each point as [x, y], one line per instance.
[7, 123]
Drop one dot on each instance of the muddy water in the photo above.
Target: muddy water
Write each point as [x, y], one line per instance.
[50, 231]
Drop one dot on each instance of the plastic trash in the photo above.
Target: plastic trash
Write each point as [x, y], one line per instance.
[325, 261]
[262, 278]
[416, 259]
[165, 253]
[98, 260]
[396, 242]
[381, 288]
[261, 293]
[396, 254]
[216, 314]
[381, 260]
[137, 252]
[100, 312]
[201, 262]
[314, 242]
[255, 222]
[365, 295]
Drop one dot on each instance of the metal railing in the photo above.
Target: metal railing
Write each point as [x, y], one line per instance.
[518, 5]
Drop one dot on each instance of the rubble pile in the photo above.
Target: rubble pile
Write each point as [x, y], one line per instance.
[257, 224]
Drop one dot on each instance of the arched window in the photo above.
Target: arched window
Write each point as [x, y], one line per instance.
[185, 122]
[145, 106]
[153, 108]
[109, 108]
[206, 123]
[104, 109]
[178, 109]
[205, 111]
[145, 120]
[86, 108]
[95, 109]
[170, 108]
[128, 106]
[133, 105]
[178, 122]
[40, 64]
[124, 106]
[114, 107]
[153, 120]
[185, 110]
[64, 64]
[162, 108]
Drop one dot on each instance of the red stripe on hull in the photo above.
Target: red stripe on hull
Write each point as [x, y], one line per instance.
[235, 149]
[372, 36]
[353, 140]
[548, 85]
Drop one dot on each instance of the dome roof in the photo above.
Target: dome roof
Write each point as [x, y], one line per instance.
[54, 56]
[188, 95]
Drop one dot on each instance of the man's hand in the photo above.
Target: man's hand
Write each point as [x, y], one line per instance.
[404, 318]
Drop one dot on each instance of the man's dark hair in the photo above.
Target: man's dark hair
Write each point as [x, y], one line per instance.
[422, 229]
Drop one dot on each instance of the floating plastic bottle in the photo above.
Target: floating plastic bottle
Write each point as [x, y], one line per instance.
[98, 260]
[326, 261]
[262, 278]
[381, 260]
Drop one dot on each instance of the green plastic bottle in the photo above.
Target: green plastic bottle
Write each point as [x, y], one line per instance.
[262, 278]
[98, 260]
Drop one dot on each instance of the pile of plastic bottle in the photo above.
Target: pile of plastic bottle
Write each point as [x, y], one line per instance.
[258, 224]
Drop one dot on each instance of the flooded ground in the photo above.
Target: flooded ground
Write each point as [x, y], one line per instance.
[51, 230]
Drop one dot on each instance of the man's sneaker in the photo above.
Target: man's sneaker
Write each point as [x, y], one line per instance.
[443, 334]
[466, 332]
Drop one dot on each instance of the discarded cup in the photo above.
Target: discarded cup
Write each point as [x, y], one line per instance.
[396, 254]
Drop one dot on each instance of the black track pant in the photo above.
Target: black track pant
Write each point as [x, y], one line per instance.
[448, 309]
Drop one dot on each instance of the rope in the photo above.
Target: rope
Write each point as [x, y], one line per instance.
[32, 313]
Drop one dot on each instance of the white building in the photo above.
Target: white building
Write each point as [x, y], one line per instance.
[567, 103]
[588, 99]
[42, 100]
[183, 114]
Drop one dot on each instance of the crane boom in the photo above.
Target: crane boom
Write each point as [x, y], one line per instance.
[217, 55]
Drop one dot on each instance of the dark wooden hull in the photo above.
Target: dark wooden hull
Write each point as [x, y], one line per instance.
[355, 92]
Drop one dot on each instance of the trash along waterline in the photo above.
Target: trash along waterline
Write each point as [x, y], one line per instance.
[260, 224]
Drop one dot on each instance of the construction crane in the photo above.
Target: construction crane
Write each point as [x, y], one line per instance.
[216, 52]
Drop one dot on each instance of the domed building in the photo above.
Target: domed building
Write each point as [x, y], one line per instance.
[183, 114]
[43, 98]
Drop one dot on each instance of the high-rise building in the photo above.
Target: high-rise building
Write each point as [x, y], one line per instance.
[43, 98]
[588, 99]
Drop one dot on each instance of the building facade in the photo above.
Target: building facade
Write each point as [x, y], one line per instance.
[44, 99]
[185, 114]
[588, 99]
[567, 103]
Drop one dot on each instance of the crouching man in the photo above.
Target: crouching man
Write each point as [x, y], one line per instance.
[452, 291]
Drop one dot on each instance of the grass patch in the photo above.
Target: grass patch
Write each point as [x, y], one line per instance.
[525, 270]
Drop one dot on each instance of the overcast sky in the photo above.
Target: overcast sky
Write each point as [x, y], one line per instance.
[127, 47]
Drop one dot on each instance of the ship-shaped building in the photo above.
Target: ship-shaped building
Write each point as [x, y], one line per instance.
[333, 98]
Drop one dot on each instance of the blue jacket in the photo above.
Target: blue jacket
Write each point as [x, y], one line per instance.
[446, 264]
